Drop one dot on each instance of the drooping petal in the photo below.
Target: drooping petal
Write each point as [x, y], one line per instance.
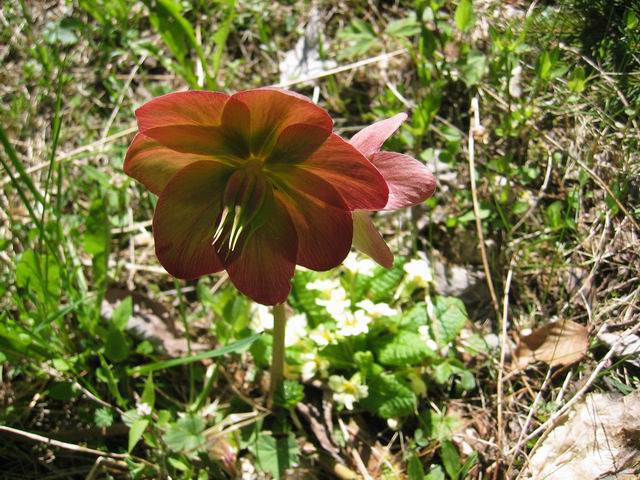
[296, 143]
[351, 174]
[272, 110]
[153, 164]
[321, 218]
[410, 181]
[185, 220]
[368, 240]
[263, 264]
[197, 107]
[199, 140]
[369, 140]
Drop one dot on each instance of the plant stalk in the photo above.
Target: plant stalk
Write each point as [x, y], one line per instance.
[277, 359]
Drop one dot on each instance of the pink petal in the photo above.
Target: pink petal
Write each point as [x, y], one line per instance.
[153, 164]
[370, 139]
[182, 108]
[350, 173]
[185, 220]
[367, 239]
[410, 181]
[321, 218]
[263, 266]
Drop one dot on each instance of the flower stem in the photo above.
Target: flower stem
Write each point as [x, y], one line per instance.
[277, 360]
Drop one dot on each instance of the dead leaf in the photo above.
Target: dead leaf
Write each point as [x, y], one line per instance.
[558, 343]
[598, 440]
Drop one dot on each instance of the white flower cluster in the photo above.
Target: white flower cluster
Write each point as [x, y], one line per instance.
[350, 323]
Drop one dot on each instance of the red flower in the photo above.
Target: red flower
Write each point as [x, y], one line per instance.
[409, 182]
[253, 183]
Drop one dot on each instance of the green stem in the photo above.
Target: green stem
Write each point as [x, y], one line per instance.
[277, 360]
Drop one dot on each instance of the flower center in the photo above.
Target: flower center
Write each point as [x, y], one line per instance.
[243, 202]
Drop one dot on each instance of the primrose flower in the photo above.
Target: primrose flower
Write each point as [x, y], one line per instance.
[334, 300]
[376, 310]
[353, 323]
[253, 183]
[364, 266]
[346, 392]
[313, 363]
[408, 180]
[418, 272]
[322, 336]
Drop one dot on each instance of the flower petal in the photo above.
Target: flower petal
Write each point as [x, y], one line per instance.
[322, 220]
[297, 142]
[410, 181]
[370, 139]
[367, 239]
[185, 220]
[153, 164]
[263, 267]
[351, 174]
[199, 140]
[182, 108]
[272, 110]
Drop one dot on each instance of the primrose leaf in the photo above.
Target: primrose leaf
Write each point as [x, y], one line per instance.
[404, 349]
[451, 316]
[389, 397]
[385, 282]
[404, 27]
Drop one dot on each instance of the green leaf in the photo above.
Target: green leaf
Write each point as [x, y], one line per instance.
[389, 397]
[103, 417]
[186, 434]
[304, 300]
[116, 348]
[235, 347]
[289, 394]
[122, 314]
[135, 432]
[441, 426]
[435, 473]
[554, 215]
[41, 275]
[404, 27]
[149, 392]
[451, 316]
[577, 80]
[474, 69]
[64, 391]
[465, 16]
[385, 282]
[415, 470]
[96, 236]
[414, 318]
[403, 349]
[450, 459]
[275, 456]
